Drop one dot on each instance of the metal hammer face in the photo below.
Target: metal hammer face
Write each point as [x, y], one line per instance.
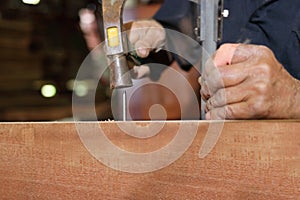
[113, 21]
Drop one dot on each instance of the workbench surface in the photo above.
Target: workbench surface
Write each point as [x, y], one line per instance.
[238, 160]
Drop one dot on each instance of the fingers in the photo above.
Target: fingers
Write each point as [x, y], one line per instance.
[244, 86]
[226, 96]
[222, 57]
[146, 35]
[244, 52]
[204, 91]
[222, 77]
[142, 48]
[149, 39]
[229, 54]
[225, 54]
[229, 67]
[141, 71]
[233, 111]
[137, 31]
[224, 82]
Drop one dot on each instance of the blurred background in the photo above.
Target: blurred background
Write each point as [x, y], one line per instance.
[41, 50]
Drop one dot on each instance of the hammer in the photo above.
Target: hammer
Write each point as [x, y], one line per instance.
[112, 23]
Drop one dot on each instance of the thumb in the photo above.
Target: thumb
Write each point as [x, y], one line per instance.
[141, 71]
[243, 52]
[224, 55]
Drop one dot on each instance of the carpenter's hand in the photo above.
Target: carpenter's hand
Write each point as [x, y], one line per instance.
[146, 35]
[247, 82]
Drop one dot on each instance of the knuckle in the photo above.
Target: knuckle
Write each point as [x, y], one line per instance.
[209, 104]
[265, 70]
[216, 99]
[258, 108]
[212, 102]
[264, 50]
[138, 24]
[261, 88]
[142, 44]
[261, 68]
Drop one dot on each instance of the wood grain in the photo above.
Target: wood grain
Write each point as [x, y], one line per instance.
[251, 160]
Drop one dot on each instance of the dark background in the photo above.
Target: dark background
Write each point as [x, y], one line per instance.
[42, 44]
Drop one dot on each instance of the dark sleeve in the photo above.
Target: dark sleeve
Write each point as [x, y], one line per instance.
[275, 24]
[179, 15]
[290, 56]
[172, 12]
[278, 26]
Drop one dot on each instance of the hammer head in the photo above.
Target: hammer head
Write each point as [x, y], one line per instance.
[119, 73]
[113, 22]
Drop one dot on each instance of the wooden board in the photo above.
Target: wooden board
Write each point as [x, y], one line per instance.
[251, 160]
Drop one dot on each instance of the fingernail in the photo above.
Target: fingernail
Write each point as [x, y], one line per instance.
[142, 52]
[199, 80]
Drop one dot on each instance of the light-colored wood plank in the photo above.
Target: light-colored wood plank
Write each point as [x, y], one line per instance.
[251, 160]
